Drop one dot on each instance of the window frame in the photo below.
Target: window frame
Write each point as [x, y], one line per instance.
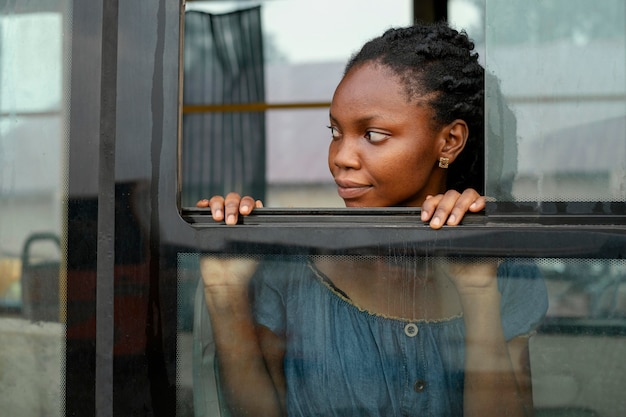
[171, 230]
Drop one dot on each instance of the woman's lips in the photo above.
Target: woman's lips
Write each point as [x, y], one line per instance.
[351, 190]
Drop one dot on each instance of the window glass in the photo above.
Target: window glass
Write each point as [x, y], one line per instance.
[469, 15]
[33, 188]
[561, 69]
[572, 308]
[305, 46]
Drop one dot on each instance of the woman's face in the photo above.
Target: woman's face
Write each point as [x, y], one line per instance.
[384, 150]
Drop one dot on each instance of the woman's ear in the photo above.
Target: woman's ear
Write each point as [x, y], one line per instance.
[454, 137]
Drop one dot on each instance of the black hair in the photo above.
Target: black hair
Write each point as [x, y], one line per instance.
[438, 61]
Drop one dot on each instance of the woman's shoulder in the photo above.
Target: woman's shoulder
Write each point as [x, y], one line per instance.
[519, 276]
[278, 271]
[524, 296]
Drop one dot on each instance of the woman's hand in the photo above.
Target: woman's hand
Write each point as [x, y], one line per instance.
[231, 207]
[246, 379]
[449, 208]
[472, 276]
[226, 281]
[226, 273]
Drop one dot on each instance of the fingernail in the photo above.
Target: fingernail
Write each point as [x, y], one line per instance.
[245, 208]
[218, 213]
[451, 219]
[435, 221]
[231, 219]
[424, 215]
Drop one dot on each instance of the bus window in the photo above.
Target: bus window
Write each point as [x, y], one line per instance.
[546, 137]
[261, 130]
[561, 68]
[33, 189]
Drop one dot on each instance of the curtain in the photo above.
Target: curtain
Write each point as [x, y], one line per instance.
[223, 64]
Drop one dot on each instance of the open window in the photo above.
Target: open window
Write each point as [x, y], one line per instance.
[555, 169]
[257, 85]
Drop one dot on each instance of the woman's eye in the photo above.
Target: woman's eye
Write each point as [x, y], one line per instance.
[334, 132]
[375, 137]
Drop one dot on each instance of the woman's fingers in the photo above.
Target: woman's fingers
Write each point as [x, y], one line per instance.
[458, 205]
[204, 203]
[449, 208]
[217, 204]
[444, 211]
[230, 207]
[221, 273]
[429, 206]
[246, 205]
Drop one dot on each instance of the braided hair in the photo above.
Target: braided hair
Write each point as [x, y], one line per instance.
[437, 61]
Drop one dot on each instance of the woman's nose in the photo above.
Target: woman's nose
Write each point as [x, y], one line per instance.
[345, 153]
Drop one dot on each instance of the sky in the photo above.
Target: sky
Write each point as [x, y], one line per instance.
[321, 30]
[331, 30]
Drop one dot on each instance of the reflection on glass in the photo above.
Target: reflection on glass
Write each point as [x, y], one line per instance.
[562, 68]
[586, 288]
[304, 50]
[341, 335]
[32, 153]
[341, 322]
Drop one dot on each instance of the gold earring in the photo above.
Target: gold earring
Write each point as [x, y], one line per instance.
[444, 162]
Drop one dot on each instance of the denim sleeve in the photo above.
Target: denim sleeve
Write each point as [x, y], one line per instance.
[268, 289]
[524, 300]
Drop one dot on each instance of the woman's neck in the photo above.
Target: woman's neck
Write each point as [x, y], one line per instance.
[400, 287]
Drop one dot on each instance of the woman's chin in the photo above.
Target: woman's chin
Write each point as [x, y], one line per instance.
[353, 204]
[361, 204]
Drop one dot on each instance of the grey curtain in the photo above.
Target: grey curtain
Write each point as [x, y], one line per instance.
[223, 64]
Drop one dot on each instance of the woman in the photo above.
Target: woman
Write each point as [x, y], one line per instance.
[386, 335]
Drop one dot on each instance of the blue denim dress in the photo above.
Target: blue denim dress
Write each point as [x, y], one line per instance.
[343, 361]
